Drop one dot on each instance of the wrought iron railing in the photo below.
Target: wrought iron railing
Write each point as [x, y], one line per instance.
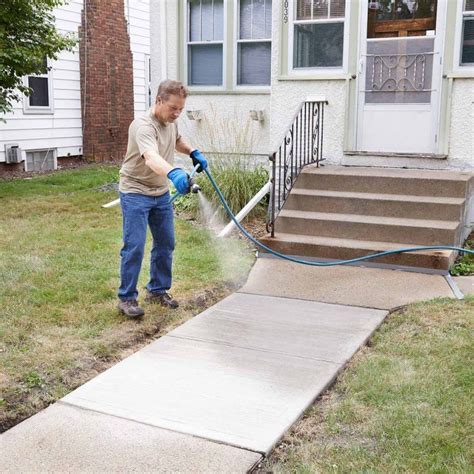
[301, 146]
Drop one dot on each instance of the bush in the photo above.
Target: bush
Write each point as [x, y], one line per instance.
[464, 264]
[238, 181]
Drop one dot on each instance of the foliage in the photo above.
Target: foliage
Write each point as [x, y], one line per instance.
[27, 36]
[238, 179]
[465, 263]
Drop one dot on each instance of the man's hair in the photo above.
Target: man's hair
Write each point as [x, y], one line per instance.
[169, 87]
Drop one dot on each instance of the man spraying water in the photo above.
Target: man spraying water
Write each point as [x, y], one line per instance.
[145, 201]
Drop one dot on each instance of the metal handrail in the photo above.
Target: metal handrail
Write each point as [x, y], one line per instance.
[302, 145]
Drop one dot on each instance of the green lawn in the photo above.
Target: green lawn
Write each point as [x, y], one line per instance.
[59, 260]
[404, 404]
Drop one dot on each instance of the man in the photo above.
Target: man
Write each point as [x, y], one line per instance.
[145, 200]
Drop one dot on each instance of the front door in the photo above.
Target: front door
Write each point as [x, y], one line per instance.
[400, 76]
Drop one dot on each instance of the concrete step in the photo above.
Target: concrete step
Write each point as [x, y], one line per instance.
[343, 249]
[387, 205]
[383, 229]
[386, 180]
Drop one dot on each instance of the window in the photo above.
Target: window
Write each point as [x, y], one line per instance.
[254, 42]
[318, 34]
[205, 42]
[41, 160]
[467, 36]
[40, 100]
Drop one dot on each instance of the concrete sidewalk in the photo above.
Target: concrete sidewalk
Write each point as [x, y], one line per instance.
[217, 393]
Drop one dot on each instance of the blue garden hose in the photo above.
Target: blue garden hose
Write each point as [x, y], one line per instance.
[321, 264]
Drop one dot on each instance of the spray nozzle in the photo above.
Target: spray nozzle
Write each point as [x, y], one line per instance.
[195, 188]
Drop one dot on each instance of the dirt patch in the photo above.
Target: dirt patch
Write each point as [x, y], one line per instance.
[19, 402]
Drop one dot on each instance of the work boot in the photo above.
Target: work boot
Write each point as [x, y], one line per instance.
[130, 308]
[163, 299]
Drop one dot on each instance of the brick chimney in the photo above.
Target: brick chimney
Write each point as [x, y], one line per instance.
[106, 65]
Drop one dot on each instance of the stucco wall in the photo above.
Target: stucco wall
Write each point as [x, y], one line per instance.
[225, 117]
[461, 132]
[287, 95]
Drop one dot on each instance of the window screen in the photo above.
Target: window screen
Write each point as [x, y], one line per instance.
[205, 42]
[318, 40]
[40, 94]
[254, 42]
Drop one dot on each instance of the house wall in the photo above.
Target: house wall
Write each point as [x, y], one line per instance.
[137, 14]
[461, 128]
[63, 128]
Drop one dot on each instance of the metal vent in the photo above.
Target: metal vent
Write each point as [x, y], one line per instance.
[13, 153]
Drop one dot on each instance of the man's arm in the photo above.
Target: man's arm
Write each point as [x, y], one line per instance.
[183, 147]
[158, 164]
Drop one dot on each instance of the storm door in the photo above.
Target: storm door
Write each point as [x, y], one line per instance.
[400, 76]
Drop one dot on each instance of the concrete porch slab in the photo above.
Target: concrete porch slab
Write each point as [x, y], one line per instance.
[241, 373]
[345, 285]
[63, 438]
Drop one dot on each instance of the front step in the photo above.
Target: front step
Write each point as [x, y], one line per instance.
[343, 213]
[389, 205]
[345, 249]
[354, 226]
[385, 181]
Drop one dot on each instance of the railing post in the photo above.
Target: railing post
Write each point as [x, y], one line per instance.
[273, 160]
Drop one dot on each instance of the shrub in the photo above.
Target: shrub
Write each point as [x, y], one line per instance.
[238, 181]
[464, 264]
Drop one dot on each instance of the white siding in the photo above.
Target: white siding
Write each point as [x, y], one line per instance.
[137, 13]
[63, 128]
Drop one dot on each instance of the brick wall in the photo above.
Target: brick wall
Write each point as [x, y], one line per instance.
[106, 80]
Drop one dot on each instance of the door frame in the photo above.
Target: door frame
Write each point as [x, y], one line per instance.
[437, 79]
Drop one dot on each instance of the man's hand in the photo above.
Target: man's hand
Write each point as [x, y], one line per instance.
[180, 180]
[199, 159]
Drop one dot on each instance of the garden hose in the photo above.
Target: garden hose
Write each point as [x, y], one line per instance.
[323, 264]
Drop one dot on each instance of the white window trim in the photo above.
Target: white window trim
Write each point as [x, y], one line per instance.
[185, 51]
[30, 109]
[318, 71]
[237, 40]
[457, 67]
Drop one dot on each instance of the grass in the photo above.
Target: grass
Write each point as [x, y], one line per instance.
[59, 262]
[404, 404]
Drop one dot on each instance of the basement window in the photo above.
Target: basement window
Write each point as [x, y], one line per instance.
[41, 160]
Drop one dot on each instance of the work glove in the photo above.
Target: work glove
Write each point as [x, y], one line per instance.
[180, 180]
[198, 159]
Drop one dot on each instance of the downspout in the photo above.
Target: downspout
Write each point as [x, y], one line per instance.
[163, 31]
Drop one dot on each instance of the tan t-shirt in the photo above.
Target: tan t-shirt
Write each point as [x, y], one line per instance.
[147, 133]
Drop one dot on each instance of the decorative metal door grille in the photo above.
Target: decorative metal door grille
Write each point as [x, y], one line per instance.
[399, 73]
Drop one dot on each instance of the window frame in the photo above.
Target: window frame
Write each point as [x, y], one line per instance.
[235, 51]
[186, 43]
[40, 109]
[459, 29]
[319, 71]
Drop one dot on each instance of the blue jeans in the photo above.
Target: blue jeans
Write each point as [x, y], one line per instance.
[140, 211]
